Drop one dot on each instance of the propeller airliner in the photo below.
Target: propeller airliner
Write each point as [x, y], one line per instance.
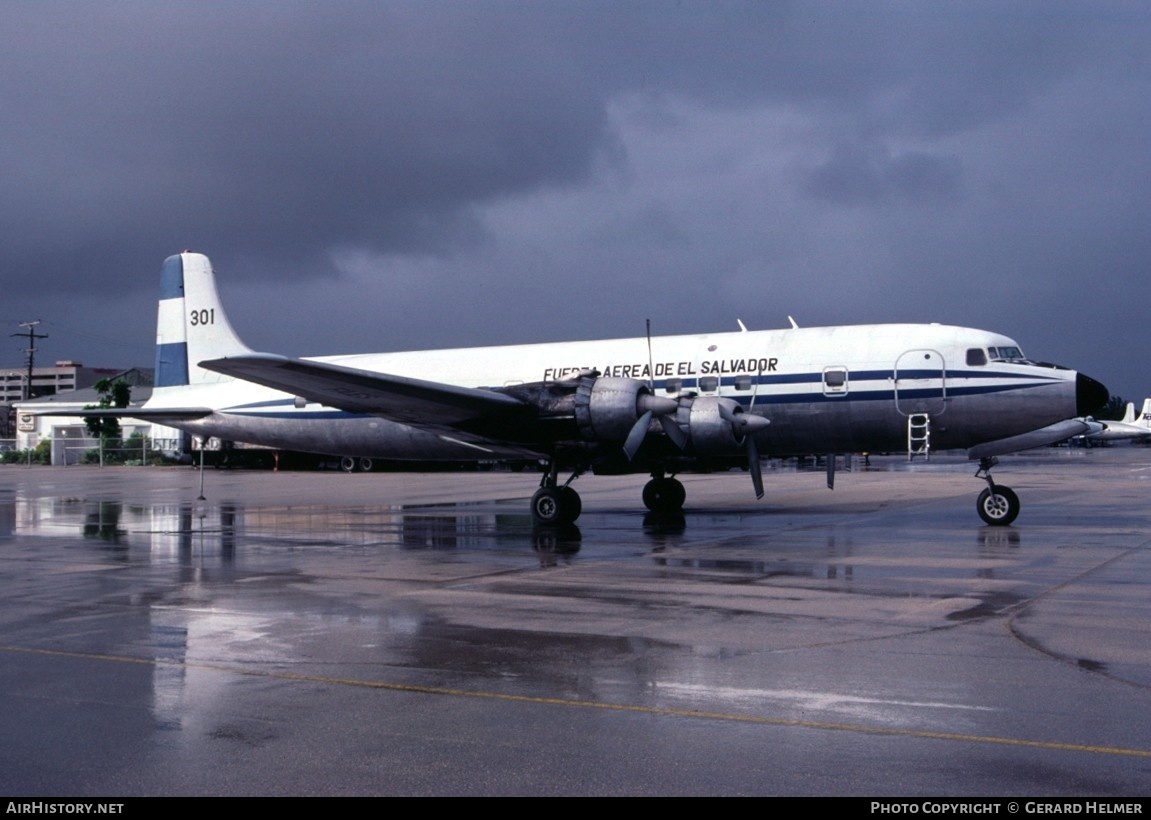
[659, 405]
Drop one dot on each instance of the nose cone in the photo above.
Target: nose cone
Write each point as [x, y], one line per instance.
[1090, 395]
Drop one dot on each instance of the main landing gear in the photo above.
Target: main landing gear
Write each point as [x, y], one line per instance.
[553, 505]
[663, 494]
[997, 505]
[352, 465]
[556, 505]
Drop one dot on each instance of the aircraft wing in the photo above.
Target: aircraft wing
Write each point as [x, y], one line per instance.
[1025, 441]
[397, 398]
[1114, 430]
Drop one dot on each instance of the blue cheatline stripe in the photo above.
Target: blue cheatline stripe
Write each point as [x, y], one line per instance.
[951, 379]
[172, 278]
[172, 364]
[284, 408]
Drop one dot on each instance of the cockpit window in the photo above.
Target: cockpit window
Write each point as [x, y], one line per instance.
[1006, 354]
[976, 357]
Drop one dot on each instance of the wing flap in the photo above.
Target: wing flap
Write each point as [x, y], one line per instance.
[398, 398]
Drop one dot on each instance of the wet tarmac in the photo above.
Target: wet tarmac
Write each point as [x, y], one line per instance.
[413, 634]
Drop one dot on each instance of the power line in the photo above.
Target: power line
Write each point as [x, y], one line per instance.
[31, 351]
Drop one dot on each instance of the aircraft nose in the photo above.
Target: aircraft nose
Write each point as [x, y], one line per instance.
[1090, 395]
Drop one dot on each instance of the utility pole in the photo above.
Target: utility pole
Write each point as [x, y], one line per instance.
[31, 351]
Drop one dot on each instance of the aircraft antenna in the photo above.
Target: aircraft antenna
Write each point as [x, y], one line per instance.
[650, 359]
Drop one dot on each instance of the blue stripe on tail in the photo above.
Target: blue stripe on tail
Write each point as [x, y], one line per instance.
[172, 357]
[172, 364]
[172, 278]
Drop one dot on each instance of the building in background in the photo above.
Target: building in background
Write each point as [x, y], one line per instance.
[68, 386]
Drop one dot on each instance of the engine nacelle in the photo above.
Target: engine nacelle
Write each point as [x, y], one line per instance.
[713, 425]
[606, 407]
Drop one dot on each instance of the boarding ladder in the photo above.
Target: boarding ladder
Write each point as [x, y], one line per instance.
[918, 436]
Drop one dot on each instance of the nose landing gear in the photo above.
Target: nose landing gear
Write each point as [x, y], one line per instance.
[998, 505]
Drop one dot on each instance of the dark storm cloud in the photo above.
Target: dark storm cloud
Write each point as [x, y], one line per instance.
[282, 128]
[861, 177]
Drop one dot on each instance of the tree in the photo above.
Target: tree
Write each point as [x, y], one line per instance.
[1114, 410]
[112, 394]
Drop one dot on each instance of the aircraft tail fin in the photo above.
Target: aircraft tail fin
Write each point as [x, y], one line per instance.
[191, 325]
[1145, 417]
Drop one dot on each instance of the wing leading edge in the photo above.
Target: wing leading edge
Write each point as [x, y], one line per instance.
[1060, 431]
[398, 398]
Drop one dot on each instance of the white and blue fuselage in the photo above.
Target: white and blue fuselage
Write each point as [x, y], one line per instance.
[667, 403]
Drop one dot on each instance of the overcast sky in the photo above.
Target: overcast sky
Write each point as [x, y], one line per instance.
[397, 175]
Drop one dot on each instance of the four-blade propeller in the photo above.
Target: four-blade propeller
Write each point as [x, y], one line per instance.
[744, 427]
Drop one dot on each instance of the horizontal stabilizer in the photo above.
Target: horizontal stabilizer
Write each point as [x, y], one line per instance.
[150, 413]
[398, 398]
[1025, 441]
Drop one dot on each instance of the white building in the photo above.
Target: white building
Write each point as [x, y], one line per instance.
[69, 435]
[64, 377]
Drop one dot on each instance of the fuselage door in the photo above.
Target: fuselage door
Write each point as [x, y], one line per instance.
[920, 382]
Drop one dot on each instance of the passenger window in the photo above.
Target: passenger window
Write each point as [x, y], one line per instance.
[673, 386]
[835, 380]
[976, 357]
[709, 384]
[743, 383]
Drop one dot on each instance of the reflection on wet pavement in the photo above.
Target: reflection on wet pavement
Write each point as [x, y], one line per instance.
[877, 606]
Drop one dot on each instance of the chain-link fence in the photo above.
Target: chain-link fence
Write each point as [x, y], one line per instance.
[134, 451]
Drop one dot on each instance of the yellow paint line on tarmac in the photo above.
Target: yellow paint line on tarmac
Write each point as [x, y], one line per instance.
[583, 704]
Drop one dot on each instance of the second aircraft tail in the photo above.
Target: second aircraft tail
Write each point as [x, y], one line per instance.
[1144, 417]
